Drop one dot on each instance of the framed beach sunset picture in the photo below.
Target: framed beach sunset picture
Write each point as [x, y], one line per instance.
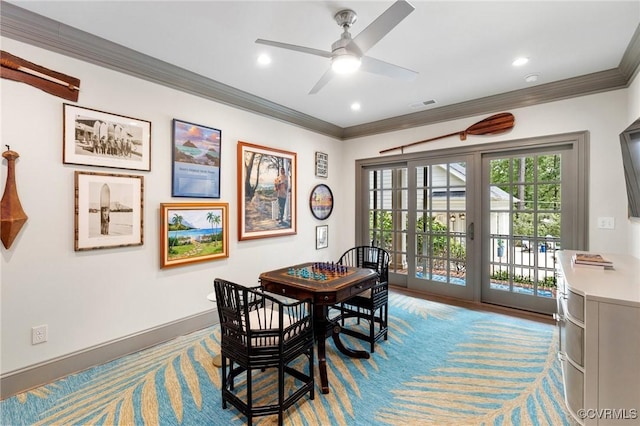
[193, 232]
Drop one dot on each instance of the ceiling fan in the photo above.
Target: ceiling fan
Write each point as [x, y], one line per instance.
[348, 54]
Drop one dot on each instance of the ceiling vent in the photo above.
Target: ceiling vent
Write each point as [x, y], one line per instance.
[423, 103]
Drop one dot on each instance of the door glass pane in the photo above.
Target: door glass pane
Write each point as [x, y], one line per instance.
[388, 207]
[524, 224]
[440, 232]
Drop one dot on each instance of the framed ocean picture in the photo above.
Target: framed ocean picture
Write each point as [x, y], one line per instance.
[196, 160]
[193, 232]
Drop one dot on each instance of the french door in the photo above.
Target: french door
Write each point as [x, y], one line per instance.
[523, 221]
[482, 223]
[441, 227]
[418, 212]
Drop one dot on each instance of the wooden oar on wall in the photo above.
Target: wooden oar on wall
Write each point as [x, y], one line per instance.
[15, 68]
[498, 123]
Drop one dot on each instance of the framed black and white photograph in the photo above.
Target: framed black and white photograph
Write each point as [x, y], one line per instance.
[108, 210]
[98, 138]
[321, 201]
[322, 236]
[322, 164]
[196, 160]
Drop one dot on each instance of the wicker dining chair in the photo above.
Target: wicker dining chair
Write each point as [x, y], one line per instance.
[260, 332]
[370, 305]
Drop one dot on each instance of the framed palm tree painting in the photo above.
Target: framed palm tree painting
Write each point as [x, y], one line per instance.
[193, 232]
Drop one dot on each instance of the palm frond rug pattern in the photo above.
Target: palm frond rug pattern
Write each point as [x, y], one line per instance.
[441, 365]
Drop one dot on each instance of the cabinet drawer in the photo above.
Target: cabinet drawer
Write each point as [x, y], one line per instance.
[575, 305]
[574, 342]
[573, 386]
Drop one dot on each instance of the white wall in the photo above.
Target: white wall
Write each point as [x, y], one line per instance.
[88, 298]
[91, 297]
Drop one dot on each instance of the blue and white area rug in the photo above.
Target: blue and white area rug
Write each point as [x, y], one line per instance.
[442, 365]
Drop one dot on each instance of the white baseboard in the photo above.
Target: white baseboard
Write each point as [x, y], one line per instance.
[18, 381]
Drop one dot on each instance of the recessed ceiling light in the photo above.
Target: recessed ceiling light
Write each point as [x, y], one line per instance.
[355, 106]
[531, 78]
[264, 59]
[520, 61]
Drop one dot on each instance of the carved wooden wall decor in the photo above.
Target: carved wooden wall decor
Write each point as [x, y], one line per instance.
[12, 217]
[56, 83]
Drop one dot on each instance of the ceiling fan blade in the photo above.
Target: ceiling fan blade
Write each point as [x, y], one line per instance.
[381, 26]
[377, 66]
[297, 48]
[326, 77]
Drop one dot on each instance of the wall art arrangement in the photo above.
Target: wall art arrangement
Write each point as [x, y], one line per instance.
[193, 232]
[322, 164]
[322, 236]
[97, 138]
[196, 160]
[108, 210]
[267, 190]
[321, 201]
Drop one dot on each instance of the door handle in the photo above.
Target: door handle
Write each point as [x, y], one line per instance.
[470, 231]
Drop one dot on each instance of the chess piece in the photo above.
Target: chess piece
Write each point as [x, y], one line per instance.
[12, 217]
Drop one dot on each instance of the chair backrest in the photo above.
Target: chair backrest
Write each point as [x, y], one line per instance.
[369, 257]
[251, 318]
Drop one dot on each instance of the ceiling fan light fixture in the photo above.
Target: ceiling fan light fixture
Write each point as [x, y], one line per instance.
[345, 64]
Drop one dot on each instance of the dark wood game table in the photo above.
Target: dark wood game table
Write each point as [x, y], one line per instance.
[336, 288]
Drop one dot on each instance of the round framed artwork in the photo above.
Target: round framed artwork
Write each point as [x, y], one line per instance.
[321, 201]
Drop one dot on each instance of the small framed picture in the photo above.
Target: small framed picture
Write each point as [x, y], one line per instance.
[108, 210]
[193, 232]
[321, 201]
[97, 138]
[322, 236]
[196, 160]
[322, 164]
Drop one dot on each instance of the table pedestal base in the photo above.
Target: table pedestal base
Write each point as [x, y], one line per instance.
[324, 328]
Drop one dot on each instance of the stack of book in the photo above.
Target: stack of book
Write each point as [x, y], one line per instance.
[591, 260]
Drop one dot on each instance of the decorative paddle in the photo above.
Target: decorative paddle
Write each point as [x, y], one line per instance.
[15, 68]
[498, 123]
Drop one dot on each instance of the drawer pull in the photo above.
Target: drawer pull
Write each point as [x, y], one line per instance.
[562, 357]
[326, 298]
[558, 317]
[284, 291]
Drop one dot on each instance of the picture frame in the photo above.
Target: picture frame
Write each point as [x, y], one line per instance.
[321, 201]
[196, 155]
[108, 210]
[322, 164]
[322, 237]
[193, 232]
[97, 138]
[261, 213]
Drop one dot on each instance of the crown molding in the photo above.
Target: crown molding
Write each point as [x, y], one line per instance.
[25, 26]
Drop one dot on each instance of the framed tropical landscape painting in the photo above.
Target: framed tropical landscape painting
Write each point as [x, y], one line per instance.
[267, 188]
[196, 160]
[193, 232]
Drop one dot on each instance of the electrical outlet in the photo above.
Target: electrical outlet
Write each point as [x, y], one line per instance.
[39, 334]
[606, 223]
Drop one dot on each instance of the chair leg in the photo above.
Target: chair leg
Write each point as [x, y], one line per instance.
[280, 392]
[224, 381]
[249, 398]
[385, 319]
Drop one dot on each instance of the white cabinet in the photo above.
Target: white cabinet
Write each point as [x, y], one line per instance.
[599, 330]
